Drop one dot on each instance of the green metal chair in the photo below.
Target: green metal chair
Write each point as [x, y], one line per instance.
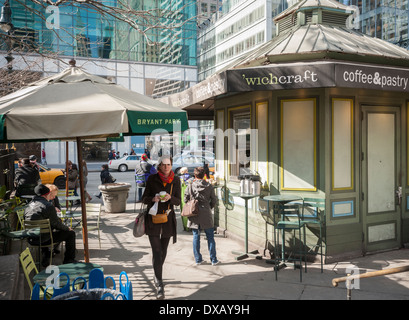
[18, 235]
[291, 220]
[45, 238]
[265, 212]
[227, 198]
[93, 218]
[20, 217]
[314, 214]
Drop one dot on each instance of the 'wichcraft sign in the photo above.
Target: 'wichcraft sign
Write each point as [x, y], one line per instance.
[294, 76]
[329, 74]
[279, 78]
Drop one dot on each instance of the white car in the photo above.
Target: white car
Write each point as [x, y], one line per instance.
[125, 163]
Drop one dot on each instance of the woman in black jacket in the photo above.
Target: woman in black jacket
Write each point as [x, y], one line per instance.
[202, 191]
[160, 234]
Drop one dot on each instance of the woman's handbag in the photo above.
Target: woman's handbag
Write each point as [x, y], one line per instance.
[162, 217]
[190, 208]
[139, 226]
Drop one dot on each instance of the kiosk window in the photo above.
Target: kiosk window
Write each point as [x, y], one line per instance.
[239, 145]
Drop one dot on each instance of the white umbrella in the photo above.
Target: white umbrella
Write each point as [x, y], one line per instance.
[75, 105]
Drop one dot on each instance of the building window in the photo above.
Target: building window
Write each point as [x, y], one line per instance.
[239, 141]
[342, 144]
[298, 145]
[204, 8]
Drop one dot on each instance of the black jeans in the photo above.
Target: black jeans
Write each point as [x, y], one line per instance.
[69, 238]
[159, 250]
[60, 236]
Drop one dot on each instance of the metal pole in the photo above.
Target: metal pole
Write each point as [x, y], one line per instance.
[83, 205]
[348, 284]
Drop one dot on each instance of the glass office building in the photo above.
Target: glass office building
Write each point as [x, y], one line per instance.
[384, 19]
[79, 30]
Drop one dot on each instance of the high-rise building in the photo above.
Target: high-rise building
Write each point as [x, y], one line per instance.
[384, 19]
[206, 8]
[162, 39]
[241, 26]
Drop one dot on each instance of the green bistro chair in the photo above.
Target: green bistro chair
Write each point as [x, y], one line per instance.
[314, 215]
[291, 220]
[266, 213]
[227, 198]
[45, 238]
[18, 235]
[20, 217]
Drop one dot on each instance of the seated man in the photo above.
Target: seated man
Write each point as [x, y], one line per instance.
[41, 208]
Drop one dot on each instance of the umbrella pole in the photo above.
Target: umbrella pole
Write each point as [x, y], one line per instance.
[83, 205]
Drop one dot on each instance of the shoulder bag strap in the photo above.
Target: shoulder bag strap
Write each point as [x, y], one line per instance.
[171, 187]
[191, 190]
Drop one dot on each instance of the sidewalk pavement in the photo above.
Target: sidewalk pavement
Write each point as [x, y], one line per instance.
[248, 279]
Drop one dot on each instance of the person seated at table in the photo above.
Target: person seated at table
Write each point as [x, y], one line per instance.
[54, 199]
[56, 203]
[26, 178]
[41, 208]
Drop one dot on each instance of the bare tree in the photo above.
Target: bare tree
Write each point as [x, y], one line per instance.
[23, 43]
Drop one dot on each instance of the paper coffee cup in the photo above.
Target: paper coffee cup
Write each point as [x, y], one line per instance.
[162, 195]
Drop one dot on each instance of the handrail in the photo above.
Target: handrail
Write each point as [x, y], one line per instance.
[370, 274]
[350, 278]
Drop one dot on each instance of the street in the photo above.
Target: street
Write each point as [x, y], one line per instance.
[94, 181]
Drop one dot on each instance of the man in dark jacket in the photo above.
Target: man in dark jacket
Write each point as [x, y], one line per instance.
[105, 177]
[26, 178]
[41, 208]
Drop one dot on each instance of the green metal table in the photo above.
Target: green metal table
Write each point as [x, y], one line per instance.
[246, 254]
[73, 216]
[74, 270]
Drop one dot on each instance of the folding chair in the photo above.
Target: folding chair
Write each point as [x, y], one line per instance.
[94, 212]
[314, 214]
[45, 238]
[291, 221]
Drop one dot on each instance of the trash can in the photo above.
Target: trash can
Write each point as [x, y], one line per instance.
[114, 196]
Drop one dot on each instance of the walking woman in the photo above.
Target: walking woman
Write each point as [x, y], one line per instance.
[202, 191]
[160, 233]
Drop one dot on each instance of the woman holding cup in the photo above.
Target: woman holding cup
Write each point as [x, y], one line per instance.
[162, 188]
